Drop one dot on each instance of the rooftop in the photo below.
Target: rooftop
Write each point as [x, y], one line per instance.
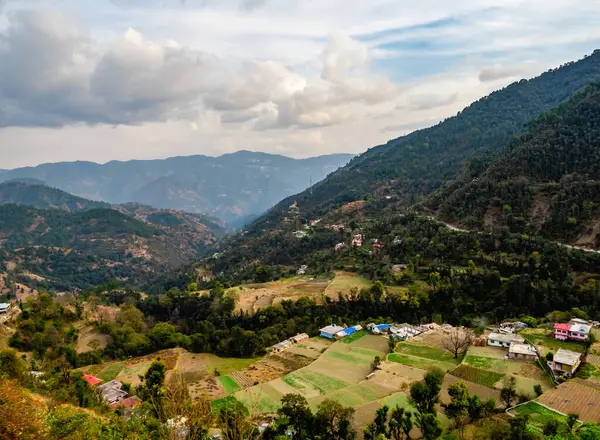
[4, 306]
[507, 338]
[566, 357]
[581, 328]
[92, 380]
[128, 403]
[565, 327]
[331, 329]
[521, 349]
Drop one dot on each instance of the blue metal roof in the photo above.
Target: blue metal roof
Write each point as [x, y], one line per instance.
[383, 327]
[349, 331]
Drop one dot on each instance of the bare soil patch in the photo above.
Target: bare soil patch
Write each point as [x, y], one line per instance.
[483, 392]
[89, 334]
[574, 397]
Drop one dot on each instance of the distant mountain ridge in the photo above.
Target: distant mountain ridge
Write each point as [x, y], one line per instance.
[229, 186]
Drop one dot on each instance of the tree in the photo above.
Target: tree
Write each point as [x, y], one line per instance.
[335, 420]
[551, 427]
[381, 418]
[519, 429]
[376, 363]
[11, 365]
[508, 393]
[458, 408]
[82, 392]
[458, 341]
[152, 388]
[400, 423]
[294, 408]
[537, 389]
[572, 419]
[391, 343]
[234, 423]
[430, 426]
[425, 394]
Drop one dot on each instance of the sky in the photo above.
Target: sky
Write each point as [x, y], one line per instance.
[105, 80]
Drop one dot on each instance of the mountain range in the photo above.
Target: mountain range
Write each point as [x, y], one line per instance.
[522, 158]
[230, 187]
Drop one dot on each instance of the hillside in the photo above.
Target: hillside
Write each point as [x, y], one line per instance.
[413, 166]
[547, 181]
[30, 192]
[54, 248]
[230, 187]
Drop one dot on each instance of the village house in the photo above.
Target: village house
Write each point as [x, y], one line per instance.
[330, 331]
[91, 380]
[339, 246]
[112, 392]
[127, 405]
[378, 328]
[279, 347]
[302, 270]
[503, 340]
[298, 338]
[337, 228]
[574, 331]
[4, 307]
[300, 234]
[357, 240]
[524, 352]
[399, 268]
[347, 332]
[565, 362]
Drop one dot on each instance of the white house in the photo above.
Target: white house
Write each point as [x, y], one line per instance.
[503, 340]
[4, 307]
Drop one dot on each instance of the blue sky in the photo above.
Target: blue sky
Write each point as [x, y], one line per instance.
[122, 79]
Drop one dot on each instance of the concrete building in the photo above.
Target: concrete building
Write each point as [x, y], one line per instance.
[298, 338]
[561, 331]
[281, 346]
[503, 340]
[330, 331]
[112, 392]
[565, 362]
[524, 352]
[4, 307]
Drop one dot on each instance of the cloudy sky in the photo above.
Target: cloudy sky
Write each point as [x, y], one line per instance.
[137, 79]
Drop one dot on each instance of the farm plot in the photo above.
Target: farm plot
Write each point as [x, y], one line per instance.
[91, 339]
[476, 375]
[229, 385]
[132, 371]
[427, 352]
[394, 376]
[419, 362]
[344, 282]
[538, 415]
[111, 371]
[576, 397]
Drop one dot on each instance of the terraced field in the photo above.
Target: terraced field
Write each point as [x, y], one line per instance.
[423, 356]
[339, 374]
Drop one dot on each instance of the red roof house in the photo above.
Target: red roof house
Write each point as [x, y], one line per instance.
[92, 380]
[127, 405]
[561, 331]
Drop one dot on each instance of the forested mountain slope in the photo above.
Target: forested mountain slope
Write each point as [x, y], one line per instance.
[76, 244]
[230, 186]
[415, 165]
[547, 181]
[36, 194]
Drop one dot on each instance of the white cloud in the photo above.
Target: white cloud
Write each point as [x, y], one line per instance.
[303, 78]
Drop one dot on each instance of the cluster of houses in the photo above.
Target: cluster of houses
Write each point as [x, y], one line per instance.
[401, 332]
[517, 347]
[575, 330]
[113, 394]
[338, 332]
[302, 270]
[284, 345]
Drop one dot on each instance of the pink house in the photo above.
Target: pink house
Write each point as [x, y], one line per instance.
[561, 331]
[579, 332]
[357, 240]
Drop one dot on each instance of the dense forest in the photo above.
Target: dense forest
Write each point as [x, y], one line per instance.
[415, 165]
[545, 182]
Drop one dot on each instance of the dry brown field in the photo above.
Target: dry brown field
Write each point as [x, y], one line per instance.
[574, 396]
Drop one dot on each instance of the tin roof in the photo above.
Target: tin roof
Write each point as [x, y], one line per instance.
[566, 357]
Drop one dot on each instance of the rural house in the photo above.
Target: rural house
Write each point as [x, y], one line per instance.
[330, 331]
[112, 392]
[503, 340]
[4, 307]
[574, 330]
[298, 338]
[91, 380]
[565, 362]
[339, 246]
[347, 332]
[127, 405]
[281, 346]
[524, 352]
[357, 240]
[302, 270]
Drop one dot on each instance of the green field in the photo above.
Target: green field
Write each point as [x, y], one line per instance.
[321, 382]
[538, 415]
[229, 385]
[419, 362]
[538, 337]
[354, 337]
[476, 375]
[426, 352]
[111, 371]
